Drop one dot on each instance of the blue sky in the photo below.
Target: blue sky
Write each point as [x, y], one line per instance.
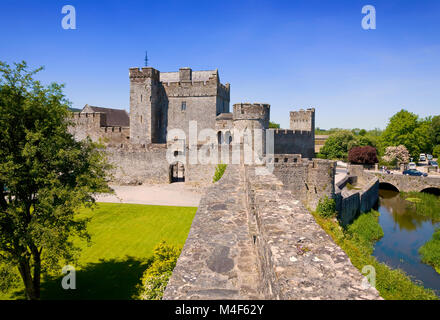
[290, 54]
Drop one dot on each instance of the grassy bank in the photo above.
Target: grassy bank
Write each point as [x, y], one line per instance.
[425, 204]
[430, 251]
[357, 240]
[123, 237]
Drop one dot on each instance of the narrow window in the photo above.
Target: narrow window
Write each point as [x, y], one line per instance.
[141, 98]
[183, 107]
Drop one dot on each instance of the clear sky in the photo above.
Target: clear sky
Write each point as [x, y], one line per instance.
[290, 54]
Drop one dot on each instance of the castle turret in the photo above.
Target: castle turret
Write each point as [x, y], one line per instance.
[145, 105]
[250, 122]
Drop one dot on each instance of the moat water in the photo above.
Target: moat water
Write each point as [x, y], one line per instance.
[404, 233]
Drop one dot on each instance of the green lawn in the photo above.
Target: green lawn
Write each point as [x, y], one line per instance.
[123, 237]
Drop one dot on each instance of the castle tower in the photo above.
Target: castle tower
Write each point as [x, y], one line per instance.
[303, 120]
[145, 106]
[246, 118]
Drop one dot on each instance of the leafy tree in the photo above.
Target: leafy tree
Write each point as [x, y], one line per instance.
[274, 125]
[338, 144]
[362, 155]
[396, 155]
[435, 123]
[436, 151]
[46, 176]
[405, 128]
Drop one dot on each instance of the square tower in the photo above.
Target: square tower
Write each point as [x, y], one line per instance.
[303, 120]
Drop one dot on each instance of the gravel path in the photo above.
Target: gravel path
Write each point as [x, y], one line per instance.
[175, 194]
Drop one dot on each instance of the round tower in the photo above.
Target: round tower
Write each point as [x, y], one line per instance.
[250, 122]
[251, 115]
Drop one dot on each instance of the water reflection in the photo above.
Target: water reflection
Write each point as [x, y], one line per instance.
[403, 212]
[404, 233]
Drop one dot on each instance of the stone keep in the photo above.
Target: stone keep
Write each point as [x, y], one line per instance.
[160, 102]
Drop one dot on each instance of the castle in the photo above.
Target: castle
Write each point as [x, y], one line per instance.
[247, 236]
[163, 102]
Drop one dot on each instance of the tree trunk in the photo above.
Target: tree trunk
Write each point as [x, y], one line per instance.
[37, 271]
[25, 272]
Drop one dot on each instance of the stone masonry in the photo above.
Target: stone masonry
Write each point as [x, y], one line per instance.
[161, 102]
[264, 246]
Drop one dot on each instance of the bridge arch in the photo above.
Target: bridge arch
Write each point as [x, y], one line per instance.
[432, 190]
[388, 186]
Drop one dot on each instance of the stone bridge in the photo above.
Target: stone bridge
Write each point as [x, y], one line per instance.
[409, 183]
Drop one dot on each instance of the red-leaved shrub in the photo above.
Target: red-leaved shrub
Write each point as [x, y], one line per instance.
[362, 155]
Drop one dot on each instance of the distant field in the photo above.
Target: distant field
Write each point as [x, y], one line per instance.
[123, 237]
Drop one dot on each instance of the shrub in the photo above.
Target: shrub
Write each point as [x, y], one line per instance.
[155, 278]
[326, 207]
[362, 155]
[219, 171]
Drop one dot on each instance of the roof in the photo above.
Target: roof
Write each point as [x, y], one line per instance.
[114, 117]
[196, 76]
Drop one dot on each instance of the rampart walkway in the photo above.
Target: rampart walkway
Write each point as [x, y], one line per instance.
[251, 239]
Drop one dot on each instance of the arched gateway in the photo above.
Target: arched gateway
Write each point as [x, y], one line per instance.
[177, 172]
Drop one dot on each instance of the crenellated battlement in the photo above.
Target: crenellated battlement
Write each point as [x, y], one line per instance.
[90, 118]
[289, 132]
[144, 73]
[251, 111]
[303, 120]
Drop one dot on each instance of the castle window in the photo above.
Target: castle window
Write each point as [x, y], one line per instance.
[141, 98]
[183, 107]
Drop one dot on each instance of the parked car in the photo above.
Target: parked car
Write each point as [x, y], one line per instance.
[415, 173]
[433, 163]
[422, 157]
[412, 166]
[429, 157]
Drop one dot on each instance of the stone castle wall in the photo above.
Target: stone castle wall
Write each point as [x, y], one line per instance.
[351, 203]
[294, 141]
[265, 245]
[93, 125]
[149, 164]
[308, 180]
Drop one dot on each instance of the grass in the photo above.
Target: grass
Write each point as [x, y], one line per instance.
[219, 171]
[357, 240]
[425, 204]
[430, 251]
[352, 187]
[123, 238]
